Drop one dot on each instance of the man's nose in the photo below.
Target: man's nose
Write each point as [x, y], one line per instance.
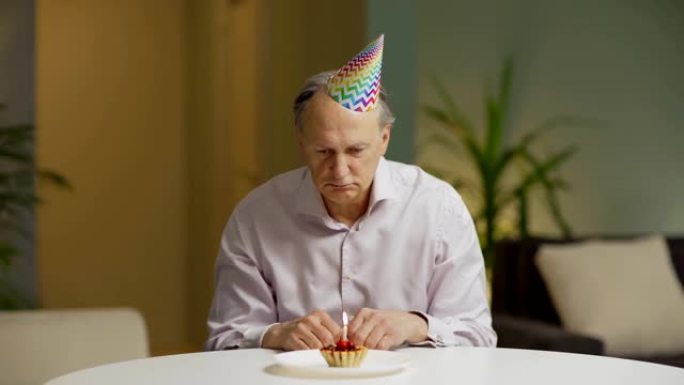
[340, 167]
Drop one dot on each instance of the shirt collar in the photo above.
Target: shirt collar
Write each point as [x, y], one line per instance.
[384, 186]
[309, 200]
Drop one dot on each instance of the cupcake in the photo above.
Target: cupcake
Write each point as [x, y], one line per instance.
[344, 355]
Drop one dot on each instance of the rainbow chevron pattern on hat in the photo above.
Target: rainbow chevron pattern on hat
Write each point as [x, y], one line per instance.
[356, 86]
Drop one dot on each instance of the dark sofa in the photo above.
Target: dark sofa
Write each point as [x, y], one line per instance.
[523, 314]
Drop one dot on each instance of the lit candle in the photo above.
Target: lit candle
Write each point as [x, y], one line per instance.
[345, 320]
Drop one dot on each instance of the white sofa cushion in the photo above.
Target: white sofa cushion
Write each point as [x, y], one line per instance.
[625, 293]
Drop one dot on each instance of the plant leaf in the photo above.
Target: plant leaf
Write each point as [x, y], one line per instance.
[443, 139]
[452, 109]
[16, 135]
[505, 81]
[55, 178]
[8, 198]
[468, 140]
[497, 108]
[539, 172]
[553, 161]
[456, 182]
[553, 123]
[7, 252]
[493, 130]
[554, 206]
[18, 156]
[542, 169]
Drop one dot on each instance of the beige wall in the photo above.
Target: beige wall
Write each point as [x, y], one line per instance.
[110, 116]
[303, 37]
[221, 135]
[163, 114]
[248, 59]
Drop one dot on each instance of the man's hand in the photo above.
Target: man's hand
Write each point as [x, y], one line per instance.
[385, 329]
[313, 331]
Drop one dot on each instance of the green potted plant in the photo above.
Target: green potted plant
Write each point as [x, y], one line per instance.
[499, 185]
[18, 175]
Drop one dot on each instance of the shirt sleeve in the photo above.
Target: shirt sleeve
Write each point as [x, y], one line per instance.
[243, 307]
[458, 311]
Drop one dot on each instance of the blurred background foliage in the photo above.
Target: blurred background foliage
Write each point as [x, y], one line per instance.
[506, 171]
[18, 175]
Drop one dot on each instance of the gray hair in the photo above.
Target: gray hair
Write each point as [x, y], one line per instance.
[320, 81]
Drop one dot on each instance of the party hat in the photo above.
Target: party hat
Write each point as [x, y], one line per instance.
[356, 86]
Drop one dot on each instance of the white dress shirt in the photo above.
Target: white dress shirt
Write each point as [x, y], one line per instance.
[283, 256]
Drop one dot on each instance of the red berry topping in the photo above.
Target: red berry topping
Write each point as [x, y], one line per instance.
[345, 345]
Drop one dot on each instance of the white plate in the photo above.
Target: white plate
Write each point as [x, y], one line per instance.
[311, 362]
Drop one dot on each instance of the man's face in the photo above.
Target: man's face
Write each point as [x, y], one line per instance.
[342, 149]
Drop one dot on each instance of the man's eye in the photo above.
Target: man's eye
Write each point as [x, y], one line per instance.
[355, 151]
[322, 152]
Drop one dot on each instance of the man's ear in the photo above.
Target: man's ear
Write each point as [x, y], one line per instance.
[385, 134]
[298, 136]
[387, 129]
[301, 139]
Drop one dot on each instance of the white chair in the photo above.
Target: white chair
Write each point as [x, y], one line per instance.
[37, 345]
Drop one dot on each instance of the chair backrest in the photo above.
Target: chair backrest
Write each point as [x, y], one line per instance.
[37, 345]
[518, 288]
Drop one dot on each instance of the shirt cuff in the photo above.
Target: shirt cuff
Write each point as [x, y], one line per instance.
[431, 339]
[439, 334]
[254, 336]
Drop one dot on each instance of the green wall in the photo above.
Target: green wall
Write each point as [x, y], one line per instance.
[619, 62]
[397, 20]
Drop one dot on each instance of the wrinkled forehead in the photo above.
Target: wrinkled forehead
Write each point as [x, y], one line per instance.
[322, 114]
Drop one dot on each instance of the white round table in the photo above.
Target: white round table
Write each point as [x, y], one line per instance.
[428, 366]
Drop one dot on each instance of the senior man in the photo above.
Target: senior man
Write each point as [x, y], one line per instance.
[351, 231]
